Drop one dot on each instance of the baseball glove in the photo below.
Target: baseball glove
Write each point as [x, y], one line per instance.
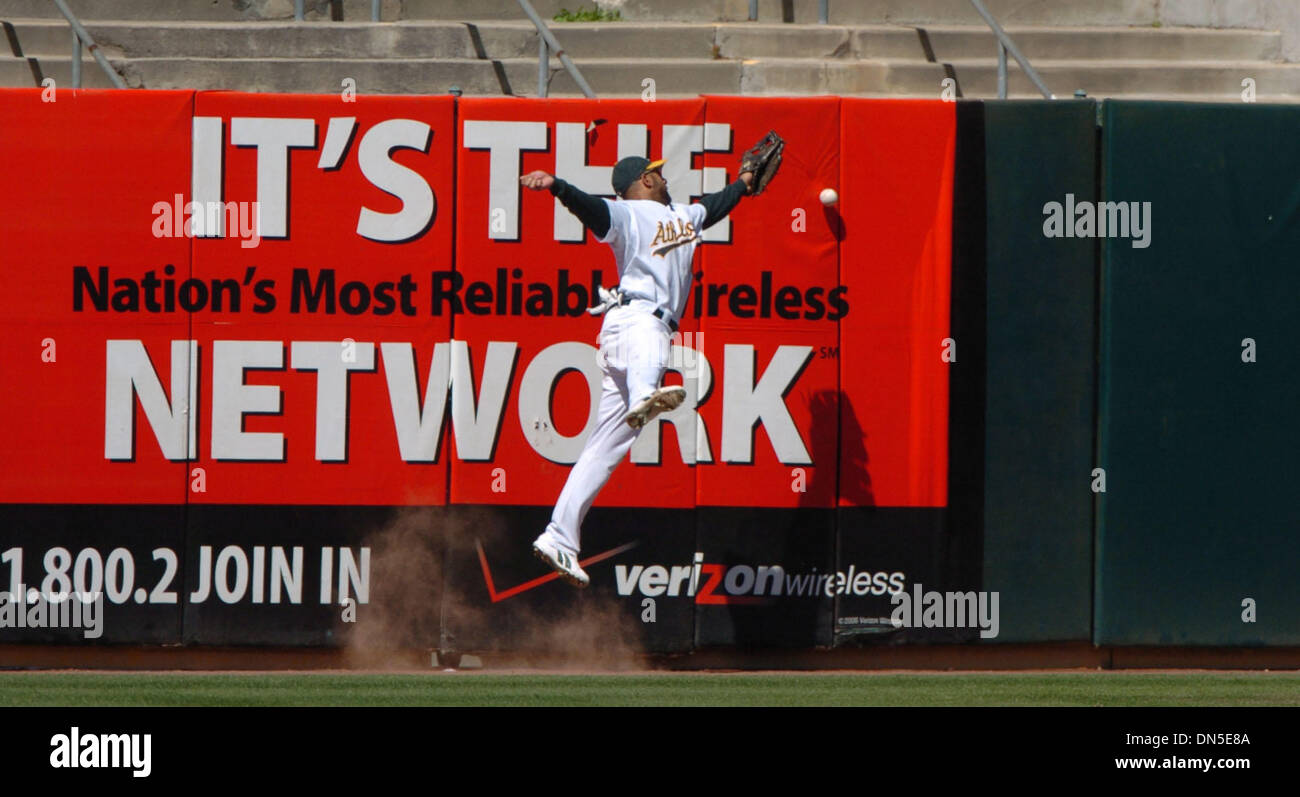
[763, 159]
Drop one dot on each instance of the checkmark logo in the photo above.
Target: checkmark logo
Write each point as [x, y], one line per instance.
[497, 597]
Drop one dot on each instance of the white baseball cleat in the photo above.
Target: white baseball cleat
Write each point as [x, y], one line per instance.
[560, 560]
[665, 399]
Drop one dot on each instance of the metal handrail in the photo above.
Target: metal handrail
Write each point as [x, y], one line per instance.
[1005, 45]
[82, 36]
[548, 40]
[547, 44]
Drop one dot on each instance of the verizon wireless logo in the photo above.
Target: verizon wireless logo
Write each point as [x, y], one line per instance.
[717, 584]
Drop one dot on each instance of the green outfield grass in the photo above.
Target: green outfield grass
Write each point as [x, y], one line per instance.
[655, 689]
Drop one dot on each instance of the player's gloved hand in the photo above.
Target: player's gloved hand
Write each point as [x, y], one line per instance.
[537, 181]
[762, 161]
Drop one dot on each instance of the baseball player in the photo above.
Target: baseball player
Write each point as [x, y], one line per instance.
[654, 241]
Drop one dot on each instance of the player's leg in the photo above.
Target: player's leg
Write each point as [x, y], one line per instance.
[648, 359]
[604, 450]
[558, 545]
[607, 444]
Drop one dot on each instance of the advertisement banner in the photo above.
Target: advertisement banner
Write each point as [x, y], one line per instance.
[896, 257]
[895, 526]
[322, 367]
[92, 573]
[770, 303]
[352, 354]
[84, 264]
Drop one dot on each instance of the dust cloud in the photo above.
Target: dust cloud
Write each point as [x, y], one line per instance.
[418, 603]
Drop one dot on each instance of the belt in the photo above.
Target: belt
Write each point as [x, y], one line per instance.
[658, 312]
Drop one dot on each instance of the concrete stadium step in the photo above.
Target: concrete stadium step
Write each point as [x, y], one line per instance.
[799, 76]
[950, 42]
[517, 76]
[942, 43]
[421, 39]
[685, 59]
[504, 39]
[29, 72]
[253, 39]
[673, 77]
[213, 10]
[126, 9]
[480, 78]
[1181, 80]
[1061, 12]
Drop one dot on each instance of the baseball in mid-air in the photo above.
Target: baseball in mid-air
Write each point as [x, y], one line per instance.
[828, 196]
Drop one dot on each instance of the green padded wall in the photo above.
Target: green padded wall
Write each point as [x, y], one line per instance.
[1041, 371]
[1200, 511]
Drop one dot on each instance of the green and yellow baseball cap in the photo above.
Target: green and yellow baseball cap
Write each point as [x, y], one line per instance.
[630, 169]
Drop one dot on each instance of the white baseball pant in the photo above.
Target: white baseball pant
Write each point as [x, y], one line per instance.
[634, 351]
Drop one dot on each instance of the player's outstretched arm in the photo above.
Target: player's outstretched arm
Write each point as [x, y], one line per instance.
[591, 211]
[719, 204]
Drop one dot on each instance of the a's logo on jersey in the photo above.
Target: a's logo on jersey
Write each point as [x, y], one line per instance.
[674, 233]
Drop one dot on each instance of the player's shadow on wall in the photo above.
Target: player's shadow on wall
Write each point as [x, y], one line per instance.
[800, 539]
[834, 421]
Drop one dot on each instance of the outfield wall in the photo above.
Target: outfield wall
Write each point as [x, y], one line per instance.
[1197, 527]
[1041, 374]
[341, 418]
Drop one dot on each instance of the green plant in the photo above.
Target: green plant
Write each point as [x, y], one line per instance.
[596, 14]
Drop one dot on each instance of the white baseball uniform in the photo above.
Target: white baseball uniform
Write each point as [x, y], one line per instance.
[653, 247]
